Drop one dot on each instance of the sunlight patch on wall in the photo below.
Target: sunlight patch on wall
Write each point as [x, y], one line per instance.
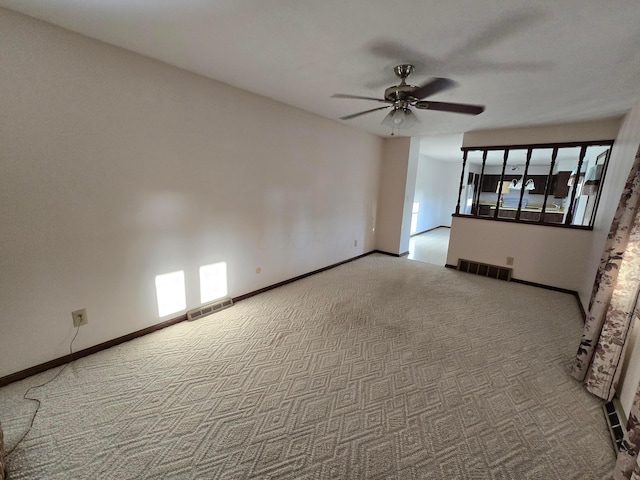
[170, 292]
[213, 281]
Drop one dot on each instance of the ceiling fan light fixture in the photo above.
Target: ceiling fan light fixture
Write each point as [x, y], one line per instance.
[399, 118]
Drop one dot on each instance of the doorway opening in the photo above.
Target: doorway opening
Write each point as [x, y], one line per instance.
[430, 246]
[434, 197]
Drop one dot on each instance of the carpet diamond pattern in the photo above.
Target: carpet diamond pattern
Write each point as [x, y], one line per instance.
[380, 368]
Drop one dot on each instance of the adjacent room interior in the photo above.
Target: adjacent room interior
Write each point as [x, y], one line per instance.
[271, 163]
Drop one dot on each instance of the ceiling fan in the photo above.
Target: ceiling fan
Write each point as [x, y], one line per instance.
[402, 97]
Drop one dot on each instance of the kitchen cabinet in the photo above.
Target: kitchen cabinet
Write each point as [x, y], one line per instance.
[524, 214]
[559, 187]
[485, 210]
[528, 215]
[553, 217]
[539, 181]
[490, 183]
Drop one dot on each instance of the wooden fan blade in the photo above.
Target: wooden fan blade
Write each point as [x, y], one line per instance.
[451, 107]
[358, 97]
[433, 86]
[354, 115]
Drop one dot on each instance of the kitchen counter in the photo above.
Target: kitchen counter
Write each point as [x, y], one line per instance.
[529, 213]
[532, 207]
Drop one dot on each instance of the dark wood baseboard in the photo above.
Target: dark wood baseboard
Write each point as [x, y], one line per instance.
[299, 277]
[547, 287]
[22, 374]
[56, 362]
[556, 289]
[386, 253]
[429, 230]
[582, 312]
[397, 255]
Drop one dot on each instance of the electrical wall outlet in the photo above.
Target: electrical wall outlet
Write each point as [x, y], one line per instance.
[355, 243]
[79, 317]
[509, 260]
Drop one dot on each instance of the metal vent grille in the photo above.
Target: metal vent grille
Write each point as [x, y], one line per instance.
[615, 420]
[485, 270]
[209, 308]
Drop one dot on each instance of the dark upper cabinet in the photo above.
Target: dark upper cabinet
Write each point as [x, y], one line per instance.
[539, 181]
[490, 183]
[560, 189]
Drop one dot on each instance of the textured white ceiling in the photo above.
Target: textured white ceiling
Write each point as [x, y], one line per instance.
[529, 61]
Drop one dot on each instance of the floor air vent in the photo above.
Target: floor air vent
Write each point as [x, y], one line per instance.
[209, 308]
[615, 420]
[491, 271]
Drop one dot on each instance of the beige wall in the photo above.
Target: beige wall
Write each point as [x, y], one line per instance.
[436, 191]
[395, 194]
[409, 192]
[116, 168]
[605, 129]
[546, 255]
[391, 194]
[552, 256]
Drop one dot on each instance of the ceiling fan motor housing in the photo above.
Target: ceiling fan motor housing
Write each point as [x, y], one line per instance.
[403, 91]
[400, 92]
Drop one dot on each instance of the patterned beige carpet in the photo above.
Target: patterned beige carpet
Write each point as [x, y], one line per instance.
[381, 368]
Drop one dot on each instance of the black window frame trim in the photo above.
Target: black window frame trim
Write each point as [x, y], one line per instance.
[530, 147]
